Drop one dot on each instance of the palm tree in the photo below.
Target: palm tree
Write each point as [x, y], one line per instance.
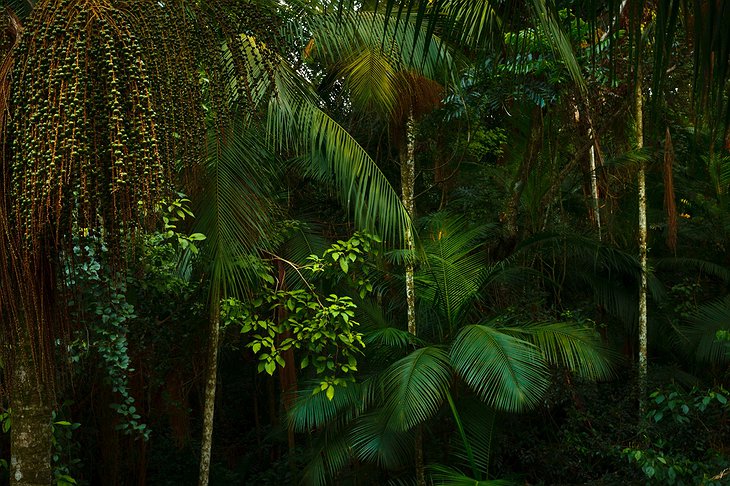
[460, 353]
[102, 97]
[391, 70]
[234, 207]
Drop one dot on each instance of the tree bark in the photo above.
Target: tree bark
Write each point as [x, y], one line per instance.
[594, 185]
[408, 179]
[408, 176]
[643, 250]
[30, 433]
[210, 387]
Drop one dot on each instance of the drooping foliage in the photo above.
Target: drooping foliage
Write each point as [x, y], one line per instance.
[103, 106]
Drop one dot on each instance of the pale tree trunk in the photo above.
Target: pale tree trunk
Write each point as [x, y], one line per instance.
[210, 387]
[596, 206]
[641, 182]
[594, 184]
[30, 433]
[408, 179]
[408, 176]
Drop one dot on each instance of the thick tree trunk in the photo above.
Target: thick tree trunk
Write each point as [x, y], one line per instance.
[210, 387]
[643, 233]
[408, 179]
[30, 433]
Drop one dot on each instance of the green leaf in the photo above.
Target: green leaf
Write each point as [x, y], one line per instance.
[576, 347]
[344, 264]
[270, 367]
[415, 387]
[507, 373]
[330, 392]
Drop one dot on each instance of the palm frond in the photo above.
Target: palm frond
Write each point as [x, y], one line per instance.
[452, 270]
[374, 442]
[507, 373]
[473, 23]
[296, 123]
[702, 331]
[312, 411]
[475, 424]
[446, 476]
[372, 81]
[575, 347]
[233, 208]
[331, 452]
[415, 387]
[404, 45]
[391, 337]
[547, 20]
[701, 266]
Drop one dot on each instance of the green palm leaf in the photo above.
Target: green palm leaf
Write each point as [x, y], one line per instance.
[298, 126]
[312, 411]
[695, 264]
[373, 441]
[702, 331]
[372, 80]
[330, 453]
[447, 476]
[453, 268]
[234, 210]
[415, 387]
[296, 123]
[575, 347]
[475, 424]
[472, 23]
[380, 62]
[508, 373]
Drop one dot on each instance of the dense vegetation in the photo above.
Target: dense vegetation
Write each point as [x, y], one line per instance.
[330, 242]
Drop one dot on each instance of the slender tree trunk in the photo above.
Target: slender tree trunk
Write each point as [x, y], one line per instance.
[30, 433]
[594, 185]
[641, 181]
[408, 179]
[592, 167]
[408, 176]
[210, 386]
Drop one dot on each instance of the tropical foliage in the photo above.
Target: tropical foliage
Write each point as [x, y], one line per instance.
[378, 242]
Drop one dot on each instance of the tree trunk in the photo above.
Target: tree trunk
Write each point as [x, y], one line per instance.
[592, 168]
[408, 179]
[30, 433]
[641, 181]
[408, 176]
[594, 185]
[210, 386]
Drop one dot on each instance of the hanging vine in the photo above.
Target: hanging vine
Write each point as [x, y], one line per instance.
[103, 102]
